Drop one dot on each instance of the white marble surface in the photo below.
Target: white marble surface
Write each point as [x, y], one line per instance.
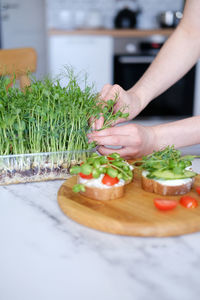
[45, 255]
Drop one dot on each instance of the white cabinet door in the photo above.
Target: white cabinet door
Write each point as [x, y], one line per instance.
[91, 55]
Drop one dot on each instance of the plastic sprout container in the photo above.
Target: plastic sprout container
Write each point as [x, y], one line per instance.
[23, 168]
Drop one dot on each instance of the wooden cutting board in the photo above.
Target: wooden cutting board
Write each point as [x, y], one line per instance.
[134, 214]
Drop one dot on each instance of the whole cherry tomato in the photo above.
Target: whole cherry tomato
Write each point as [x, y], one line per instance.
[110, 158]
[188, 202]
[165, 204]
[86, 176]
[198, 190]
[109, 180]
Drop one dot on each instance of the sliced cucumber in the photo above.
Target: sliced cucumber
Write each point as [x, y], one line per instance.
[169, 175]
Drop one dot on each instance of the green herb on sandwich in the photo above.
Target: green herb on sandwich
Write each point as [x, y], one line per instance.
[167, 164]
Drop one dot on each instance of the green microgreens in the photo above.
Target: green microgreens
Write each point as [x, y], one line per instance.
[78, 188]
[108, 112]
[165, 159]
[101, 165]
[47, 117]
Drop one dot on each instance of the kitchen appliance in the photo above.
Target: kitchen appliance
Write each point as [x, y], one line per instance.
[132, 56]
[126, 18]
[133, 215]
[169, 19]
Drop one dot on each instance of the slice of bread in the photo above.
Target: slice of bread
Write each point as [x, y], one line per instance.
[155, 186]
[96, 190]
[103, 194]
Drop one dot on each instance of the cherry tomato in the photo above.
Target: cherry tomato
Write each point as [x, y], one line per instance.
[198, 190]
[109, 180]
[110, 158]
[86, 176]
[165, 204]
[188, 202]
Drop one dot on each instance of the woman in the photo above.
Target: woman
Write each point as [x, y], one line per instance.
[175, 59]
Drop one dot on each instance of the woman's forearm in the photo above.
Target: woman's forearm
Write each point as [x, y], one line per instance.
[181, 133]
[175, 59]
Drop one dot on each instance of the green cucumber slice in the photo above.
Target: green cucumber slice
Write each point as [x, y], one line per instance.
[169, 175]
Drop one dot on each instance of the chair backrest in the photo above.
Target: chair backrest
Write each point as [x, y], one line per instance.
[17, 63]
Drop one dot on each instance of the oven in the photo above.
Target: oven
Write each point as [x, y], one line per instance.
[132, 56]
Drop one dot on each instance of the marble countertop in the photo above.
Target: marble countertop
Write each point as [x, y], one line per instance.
[45, 255]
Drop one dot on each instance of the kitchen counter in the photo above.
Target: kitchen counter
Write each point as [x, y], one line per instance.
[112, 32]
[46, 255]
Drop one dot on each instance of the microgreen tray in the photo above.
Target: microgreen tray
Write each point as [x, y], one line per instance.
[33, 167]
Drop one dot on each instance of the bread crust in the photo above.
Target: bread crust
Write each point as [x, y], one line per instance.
[153, 186]
[128, 181]
[103, 194]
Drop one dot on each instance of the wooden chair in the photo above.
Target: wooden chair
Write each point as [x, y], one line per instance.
[17, 63]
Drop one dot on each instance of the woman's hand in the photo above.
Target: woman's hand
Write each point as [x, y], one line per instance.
[127, 101]
[135, 140]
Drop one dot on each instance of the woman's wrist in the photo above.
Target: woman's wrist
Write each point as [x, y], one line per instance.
[160, 139]
[179, 133]
[136, 103]
[139, 96]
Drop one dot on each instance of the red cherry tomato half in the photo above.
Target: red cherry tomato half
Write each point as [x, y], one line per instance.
[86, 176]
[109, 180]
[188, 202]
[198, 190]
[165, 204]
[110, 158]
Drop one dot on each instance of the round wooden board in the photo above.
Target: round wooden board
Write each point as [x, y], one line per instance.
[134, 214]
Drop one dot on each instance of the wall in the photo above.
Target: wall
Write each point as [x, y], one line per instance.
[68, 14]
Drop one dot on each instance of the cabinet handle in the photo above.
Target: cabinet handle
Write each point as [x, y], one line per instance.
[135, 59]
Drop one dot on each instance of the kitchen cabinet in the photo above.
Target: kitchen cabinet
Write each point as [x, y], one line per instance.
[91, 55]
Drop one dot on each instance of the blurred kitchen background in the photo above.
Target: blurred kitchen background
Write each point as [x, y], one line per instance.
[114, 41]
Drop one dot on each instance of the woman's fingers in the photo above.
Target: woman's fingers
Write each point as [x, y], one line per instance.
[98, 124]
[124, 136]
[125, 152]
[105, 90]
[110, 91]
[134, 139]
[105, 96]
[117, 130]
[113, 140]
[106, 151]
[123, 102]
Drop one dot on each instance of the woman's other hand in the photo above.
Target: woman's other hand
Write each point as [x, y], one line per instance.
[135, 140]
[126, 101]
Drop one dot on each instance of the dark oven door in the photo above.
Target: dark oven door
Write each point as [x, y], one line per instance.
[177, 101]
